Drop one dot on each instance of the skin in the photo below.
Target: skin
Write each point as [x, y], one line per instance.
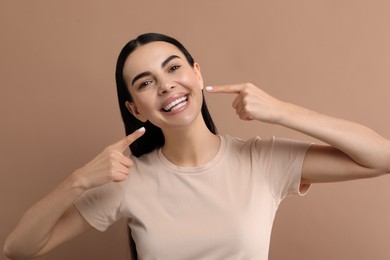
[54, 219]
[186, 135]
[354, 151]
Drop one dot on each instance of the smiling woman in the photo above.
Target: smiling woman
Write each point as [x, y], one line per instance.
[164, 79]
[153, 137]
[186, 192]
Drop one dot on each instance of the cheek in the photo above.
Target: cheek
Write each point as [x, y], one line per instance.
[145, 106]
[143, 103]
[190, 79]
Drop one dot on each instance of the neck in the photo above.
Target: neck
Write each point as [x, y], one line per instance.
[191, 145]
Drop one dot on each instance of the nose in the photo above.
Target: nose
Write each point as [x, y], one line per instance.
[165, 88]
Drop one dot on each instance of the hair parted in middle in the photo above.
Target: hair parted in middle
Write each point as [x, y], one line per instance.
[153, 137]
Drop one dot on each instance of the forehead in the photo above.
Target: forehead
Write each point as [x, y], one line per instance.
[149, 56]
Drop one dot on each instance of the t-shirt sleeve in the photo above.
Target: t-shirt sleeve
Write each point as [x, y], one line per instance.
[101, 206]
[282, 161]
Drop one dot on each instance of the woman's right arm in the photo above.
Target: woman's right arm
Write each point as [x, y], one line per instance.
[54, 219]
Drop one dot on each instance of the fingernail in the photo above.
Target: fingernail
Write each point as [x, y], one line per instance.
[209, 88]
[142, 129]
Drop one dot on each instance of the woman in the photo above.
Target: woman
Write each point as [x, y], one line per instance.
[188, 193]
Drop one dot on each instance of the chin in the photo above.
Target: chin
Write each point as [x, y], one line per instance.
[182, 121]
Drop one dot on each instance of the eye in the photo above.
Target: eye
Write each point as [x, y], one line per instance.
[144, 84]
[173, 68]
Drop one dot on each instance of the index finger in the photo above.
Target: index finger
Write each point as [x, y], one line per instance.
[229, 88]
[124, 143]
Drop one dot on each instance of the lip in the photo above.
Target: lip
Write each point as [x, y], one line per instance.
[173, 98]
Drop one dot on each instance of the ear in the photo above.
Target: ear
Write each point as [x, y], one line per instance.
[134, 111]
[198, 73]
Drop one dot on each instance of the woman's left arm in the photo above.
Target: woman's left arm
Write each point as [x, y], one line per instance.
[355, 151]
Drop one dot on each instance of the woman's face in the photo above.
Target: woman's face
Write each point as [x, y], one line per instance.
[166, 89]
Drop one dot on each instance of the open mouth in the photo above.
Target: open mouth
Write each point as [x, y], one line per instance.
[176, 104]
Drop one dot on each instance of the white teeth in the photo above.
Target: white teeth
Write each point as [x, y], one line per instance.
[179, 106]
[174, 103]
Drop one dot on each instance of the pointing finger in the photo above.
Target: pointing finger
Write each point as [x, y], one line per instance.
[124, 143]
[231, 88]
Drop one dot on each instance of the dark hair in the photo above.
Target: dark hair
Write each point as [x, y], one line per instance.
[153, 137]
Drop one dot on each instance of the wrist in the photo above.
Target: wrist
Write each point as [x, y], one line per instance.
[292, 115]
[283, 113]
[77, 182]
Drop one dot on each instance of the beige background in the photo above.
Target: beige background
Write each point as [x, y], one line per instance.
[58, 103]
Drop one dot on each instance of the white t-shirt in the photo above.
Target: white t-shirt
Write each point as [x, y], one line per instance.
[221, 210]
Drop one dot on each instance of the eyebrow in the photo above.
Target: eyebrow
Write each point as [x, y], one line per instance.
[148, 73]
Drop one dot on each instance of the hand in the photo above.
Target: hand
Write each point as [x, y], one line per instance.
[251, 102]
[111, 165]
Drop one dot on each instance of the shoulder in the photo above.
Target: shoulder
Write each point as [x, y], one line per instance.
[239, 147]
[269, 145]
[250, 143]
[233, 142]
[145, 159]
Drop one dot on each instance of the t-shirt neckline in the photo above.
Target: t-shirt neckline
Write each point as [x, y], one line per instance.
[195, 169]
